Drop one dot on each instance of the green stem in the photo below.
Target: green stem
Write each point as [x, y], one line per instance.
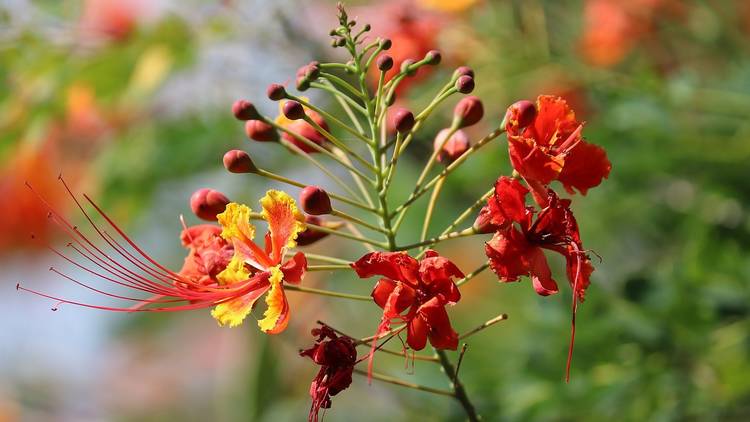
[288, 181]
[472, 274]
[332, 267]
[339, 95]
[429, 242]
[356, 220]
[295, 149]
[343, 84]
[347, 235]
[493, 321]
[458, 388]
[338, 143]
[396, 381]
[296, 288]
[430, 209]
[332, 118]
[324, 258]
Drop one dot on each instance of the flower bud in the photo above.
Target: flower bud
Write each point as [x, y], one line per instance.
[468, 111]
[406, 67]
[206, 203]
[244, 110]
[276, 92]
[315, 200]
[384, 62]
[260, 131]
[453, 147]
[483, 223]
[520, 114]
[463, 70]
[433, 57]
[465, 84]
[403, 120]
[238, 161]
[293, 110]
[385, 44]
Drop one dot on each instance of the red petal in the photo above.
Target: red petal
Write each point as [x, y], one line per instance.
[555, 121]
[585, 167]
[294, 269]
[541, 276]
[507, 252]
[531, 161]
[394, 265]
[442, 335]
[508, 204]
[382, 291]
[416, 333]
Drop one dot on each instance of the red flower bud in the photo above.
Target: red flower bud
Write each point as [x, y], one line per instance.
[468, 111]
[276, 92]
[520, 114]
[463, 70]
[293, 110]
[453, 147]
[310, 235]
[206, 203]
[260, 131]
[465, 84]
[315, 200]
[403, 120]
[238, 161]
[244, 110]
[433, 57]
[384, 62]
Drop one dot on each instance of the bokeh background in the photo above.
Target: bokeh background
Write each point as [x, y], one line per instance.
[130, 101]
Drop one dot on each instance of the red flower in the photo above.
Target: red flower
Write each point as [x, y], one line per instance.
[209, 253]
[336, 357]
[552, 148]
[517, 250]
[415, 293]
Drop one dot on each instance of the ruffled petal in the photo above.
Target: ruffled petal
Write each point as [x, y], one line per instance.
[585, 166]
[276, 317]
[531, 161]
[235, 222]
[555, 121]
[507, 252]
[235, 271]
[285, 221]
[234, 311]
[508, 204]
[394, 265]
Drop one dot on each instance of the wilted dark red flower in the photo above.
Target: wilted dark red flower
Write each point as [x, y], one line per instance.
[416, 293]
[336, 356]
[552, 148]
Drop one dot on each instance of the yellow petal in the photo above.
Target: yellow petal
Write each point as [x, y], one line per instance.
[285, 221]
[276, 317]
[235, 270]
[233, 312]
[235, 222]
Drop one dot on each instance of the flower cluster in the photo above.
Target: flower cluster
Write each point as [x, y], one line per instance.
[225, 269]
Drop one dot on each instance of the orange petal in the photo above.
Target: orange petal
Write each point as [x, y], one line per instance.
[276, 317]
[285, 221]
[235, 222]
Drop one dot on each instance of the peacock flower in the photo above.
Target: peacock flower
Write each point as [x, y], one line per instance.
[224, 268]
[264, 266]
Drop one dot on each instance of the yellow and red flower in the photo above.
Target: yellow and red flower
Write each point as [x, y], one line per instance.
[224, 269]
